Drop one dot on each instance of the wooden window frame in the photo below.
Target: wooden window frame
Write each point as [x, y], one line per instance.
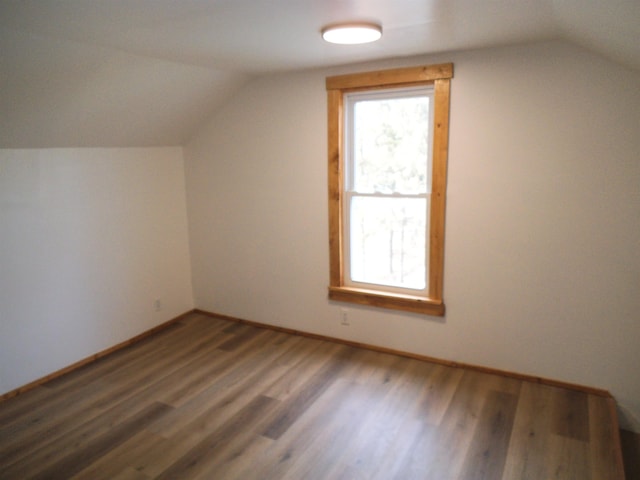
[337, 86]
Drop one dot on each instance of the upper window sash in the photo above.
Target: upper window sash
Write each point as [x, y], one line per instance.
[351, 99]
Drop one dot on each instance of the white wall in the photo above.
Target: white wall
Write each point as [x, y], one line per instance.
[542, 270]
[89, 239]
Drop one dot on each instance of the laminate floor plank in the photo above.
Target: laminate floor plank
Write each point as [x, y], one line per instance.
[168, 338]
[412, 463]
[438, 390]
[373, 367]
[213, 445]
[488, 451]
[387, 432]
[455, 432]
[334, 417]
[73, 435]
[124, 456]
[317, 354]
[398, 451]
[568, 459]
[67, 466]
[156, 363]
[333, 414]
[239, 377]
[130, 474]
[80, 389]
[209, 398]
[84, 410]
[631, 453]
[298, 403]
[16, 407]
[242, 461]
[571, 414]
[527, 457]
[186, 429]
[49, 422]
[265, 346]
[606, 462]
[125, 356]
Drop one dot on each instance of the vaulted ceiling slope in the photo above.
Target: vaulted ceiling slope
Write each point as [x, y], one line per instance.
[149, 72]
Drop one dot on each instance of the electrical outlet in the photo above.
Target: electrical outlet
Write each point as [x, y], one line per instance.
[344, 316]
[157, 305]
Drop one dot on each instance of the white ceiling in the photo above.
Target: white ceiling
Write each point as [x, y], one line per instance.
[147, 72]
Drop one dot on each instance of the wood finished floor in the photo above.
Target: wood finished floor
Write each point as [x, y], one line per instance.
[213, 399]
[631, 454]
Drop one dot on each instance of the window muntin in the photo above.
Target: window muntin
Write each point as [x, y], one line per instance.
[387, 187]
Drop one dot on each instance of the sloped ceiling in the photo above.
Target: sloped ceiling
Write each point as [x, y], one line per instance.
[149, 72]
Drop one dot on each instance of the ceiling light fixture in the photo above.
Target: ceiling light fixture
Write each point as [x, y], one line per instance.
[352, 33]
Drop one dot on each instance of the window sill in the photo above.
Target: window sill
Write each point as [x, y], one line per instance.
[395, 301]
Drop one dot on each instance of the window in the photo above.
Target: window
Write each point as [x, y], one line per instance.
[388, 141]
[386, 189]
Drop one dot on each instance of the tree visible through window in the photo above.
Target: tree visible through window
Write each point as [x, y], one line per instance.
[388, 136]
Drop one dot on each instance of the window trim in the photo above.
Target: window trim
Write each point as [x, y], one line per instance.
[440, 77]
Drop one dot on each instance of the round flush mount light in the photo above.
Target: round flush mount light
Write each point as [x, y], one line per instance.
[352, 33]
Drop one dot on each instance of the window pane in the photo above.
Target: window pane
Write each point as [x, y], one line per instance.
[387, 241]
[390, 146]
